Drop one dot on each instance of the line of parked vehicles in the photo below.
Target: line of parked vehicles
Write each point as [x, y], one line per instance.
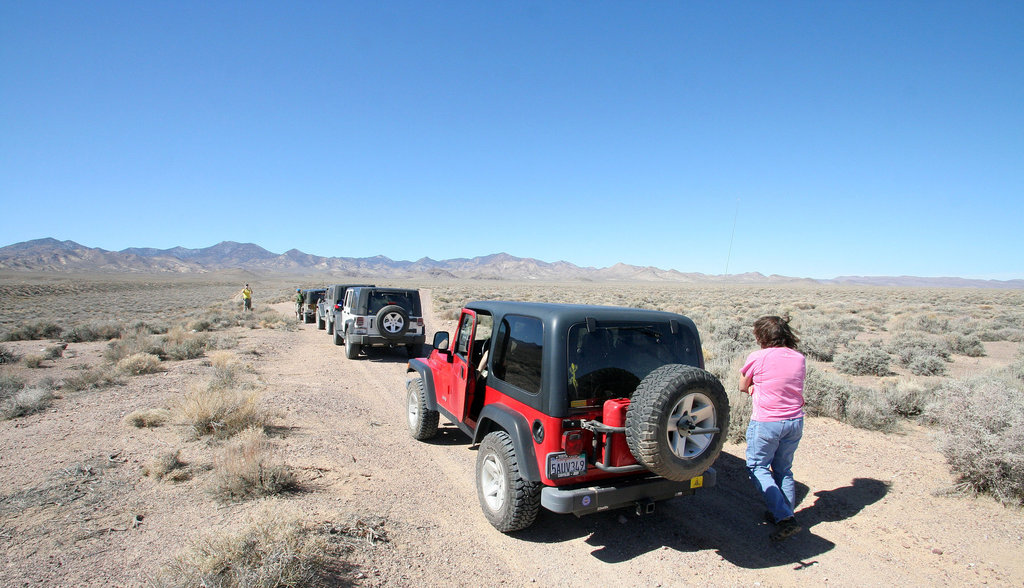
[575, 408]
[361, 316]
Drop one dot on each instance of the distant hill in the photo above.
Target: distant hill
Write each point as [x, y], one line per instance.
[51, 255]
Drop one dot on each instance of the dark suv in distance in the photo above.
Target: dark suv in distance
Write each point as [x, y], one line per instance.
[307, 312]
[380, 317]
[329, 308]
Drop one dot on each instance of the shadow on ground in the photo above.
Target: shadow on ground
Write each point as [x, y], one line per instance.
[728, 518]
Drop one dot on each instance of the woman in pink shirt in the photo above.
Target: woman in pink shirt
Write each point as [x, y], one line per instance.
[774, 377]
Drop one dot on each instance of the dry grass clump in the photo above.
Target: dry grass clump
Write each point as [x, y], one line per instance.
[24, 401]
[226, 369]
[147, 418]
[32, 331]
[274, 549]
[131, 342]
[166, 466]
[91, 379]
[221, 412]
[138, 364]
[7, 356]
[983, 425]
[247, 468]
[33, 360]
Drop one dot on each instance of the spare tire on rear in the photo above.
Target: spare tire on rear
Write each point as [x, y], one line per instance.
[392, 321]
[677, 421]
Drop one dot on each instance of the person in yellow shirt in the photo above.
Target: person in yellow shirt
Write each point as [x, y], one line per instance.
[246, 298]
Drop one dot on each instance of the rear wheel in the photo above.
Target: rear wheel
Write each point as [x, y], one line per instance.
[338, 339]
[320, 323]
[677, 421]
[352, 348]
[330, 327]
[509, 502]
[422, 421]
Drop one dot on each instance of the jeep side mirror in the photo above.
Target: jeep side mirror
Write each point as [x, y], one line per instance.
[441, 341]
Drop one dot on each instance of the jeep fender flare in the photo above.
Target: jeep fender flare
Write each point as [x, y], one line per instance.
[420, 367]
[496, 416]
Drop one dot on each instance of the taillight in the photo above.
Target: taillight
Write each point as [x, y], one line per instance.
[572, 442]
[337, 307]
[360, 321]
[419, 322]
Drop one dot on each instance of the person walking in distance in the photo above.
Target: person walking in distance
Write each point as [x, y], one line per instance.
[246, 298]
[774, 377]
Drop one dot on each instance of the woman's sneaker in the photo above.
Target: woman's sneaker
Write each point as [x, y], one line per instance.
[786, 528]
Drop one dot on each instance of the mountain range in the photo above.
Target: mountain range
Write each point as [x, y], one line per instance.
[52, 255]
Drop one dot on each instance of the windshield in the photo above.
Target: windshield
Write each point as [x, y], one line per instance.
[610, 361]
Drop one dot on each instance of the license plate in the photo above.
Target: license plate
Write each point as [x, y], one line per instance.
[561, 465]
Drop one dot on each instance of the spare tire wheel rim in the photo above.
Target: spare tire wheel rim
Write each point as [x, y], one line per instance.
[393, 323]
[687, 421]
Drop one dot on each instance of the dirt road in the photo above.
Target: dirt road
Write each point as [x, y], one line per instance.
[867, 499]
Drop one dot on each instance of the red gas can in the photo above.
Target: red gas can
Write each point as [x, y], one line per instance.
[615, 416]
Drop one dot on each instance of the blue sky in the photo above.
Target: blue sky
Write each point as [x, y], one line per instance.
[853, 138]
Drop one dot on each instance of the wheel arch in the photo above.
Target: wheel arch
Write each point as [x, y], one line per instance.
[495, 417]
[420, 367]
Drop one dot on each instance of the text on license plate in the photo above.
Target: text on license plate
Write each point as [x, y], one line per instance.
[561, 465]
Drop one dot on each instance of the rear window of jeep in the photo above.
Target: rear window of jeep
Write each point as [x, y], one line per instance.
[378, 300]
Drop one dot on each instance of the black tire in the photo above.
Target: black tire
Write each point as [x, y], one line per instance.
[308, 318]
[338, 339]
[422, 421]
[330, 327]
[392, 322]
[691, 397]
[509, 502]
[320, 323]
[352, 348]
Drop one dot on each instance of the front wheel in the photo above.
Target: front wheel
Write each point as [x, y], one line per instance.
[509, 502]
[422, 421]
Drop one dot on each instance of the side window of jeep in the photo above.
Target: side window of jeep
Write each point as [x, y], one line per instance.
[518, 352]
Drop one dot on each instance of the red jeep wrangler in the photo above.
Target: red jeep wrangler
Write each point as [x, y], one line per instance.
[575, 408]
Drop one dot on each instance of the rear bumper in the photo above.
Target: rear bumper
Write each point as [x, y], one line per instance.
[609, 494]
[379, 341]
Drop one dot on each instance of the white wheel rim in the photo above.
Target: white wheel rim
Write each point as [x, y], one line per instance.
[693, 411]
[414, 409]
[492, 483]
[392, 322]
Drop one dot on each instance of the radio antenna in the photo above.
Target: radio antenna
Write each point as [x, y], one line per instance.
[732, 237]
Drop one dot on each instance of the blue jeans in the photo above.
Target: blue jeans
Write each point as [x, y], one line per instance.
[770, 449]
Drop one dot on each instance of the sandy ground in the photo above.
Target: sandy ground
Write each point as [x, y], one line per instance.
[75, 509]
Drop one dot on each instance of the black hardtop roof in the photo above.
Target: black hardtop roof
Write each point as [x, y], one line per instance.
[314, 289]
[552, 312]
[346, 286]
[385, 289]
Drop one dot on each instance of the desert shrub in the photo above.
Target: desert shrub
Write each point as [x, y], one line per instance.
[969, 345]
[825, 394]
[863, 361]
[151, 328]
[869, 409]
[95, 331]
[226, 369]
[7, 356]
[55, 351]
[221, 412]
[139, 363]
[131, 342]
[200, 325]
[90, 379]
[1016, 369]
[906, 398]
[741, 407]
[926, 365]
[9, 384]
[273, 549]
[928, 323]
[983, 425]
[166, 466]
[33, 331]
[25, 402]
[180, 344]
[33, 360]
[148, 417]
[906, 346]
[247, 468]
